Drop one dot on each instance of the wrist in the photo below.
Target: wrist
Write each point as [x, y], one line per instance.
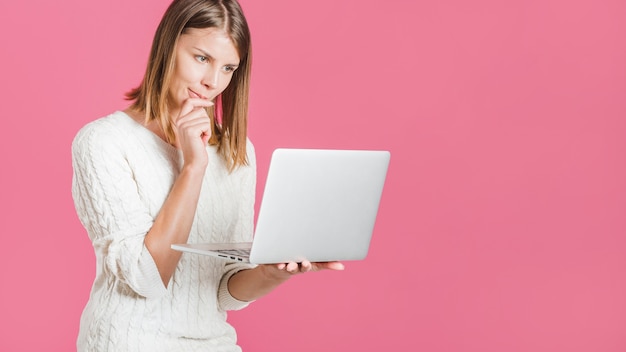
[193, 170]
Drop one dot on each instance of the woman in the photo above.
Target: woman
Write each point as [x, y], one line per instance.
[176, 166]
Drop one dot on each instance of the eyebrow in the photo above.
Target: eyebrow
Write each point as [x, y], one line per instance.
[204, 53]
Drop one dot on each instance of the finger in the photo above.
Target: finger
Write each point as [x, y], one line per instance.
[293, 267]
[194, 129]
[196, 121]
[197, 114]
[306, 266]
[192, 104]
[205, 137]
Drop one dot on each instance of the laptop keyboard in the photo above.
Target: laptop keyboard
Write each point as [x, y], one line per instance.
[238, 252]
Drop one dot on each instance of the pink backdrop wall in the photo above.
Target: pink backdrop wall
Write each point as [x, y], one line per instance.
[503, 221]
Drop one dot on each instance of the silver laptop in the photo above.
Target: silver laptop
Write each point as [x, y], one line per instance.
[318, 205]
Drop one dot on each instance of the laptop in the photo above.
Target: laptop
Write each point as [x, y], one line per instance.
[318, 205]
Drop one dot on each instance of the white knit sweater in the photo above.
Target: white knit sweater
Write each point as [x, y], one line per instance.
[122, 175]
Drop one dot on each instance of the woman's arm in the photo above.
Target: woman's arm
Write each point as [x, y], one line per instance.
[175, 218]
[173, 223]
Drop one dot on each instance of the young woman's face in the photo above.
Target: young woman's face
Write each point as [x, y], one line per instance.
[205, 62]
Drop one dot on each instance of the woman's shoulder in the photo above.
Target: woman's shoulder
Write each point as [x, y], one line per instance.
[104, 131]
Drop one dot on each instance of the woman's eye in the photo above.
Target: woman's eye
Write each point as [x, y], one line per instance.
[201, 58]
[229, 69]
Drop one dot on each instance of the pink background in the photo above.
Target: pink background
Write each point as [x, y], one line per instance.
[503, 222]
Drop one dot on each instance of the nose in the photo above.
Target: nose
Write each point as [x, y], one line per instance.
[211, 78]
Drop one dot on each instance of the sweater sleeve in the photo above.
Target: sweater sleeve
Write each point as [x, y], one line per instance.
[109, 206]
[243, 233]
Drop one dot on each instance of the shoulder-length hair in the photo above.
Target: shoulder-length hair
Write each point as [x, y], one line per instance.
[229, 115]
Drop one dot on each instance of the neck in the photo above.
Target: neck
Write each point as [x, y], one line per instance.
[153, 126]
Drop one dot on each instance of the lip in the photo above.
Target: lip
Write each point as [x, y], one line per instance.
[193, 94]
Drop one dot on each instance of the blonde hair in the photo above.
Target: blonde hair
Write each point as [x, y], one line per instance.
[231, 106]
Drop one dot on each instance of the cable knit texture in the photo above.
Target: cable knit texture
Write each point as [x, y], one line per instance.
[122, 175]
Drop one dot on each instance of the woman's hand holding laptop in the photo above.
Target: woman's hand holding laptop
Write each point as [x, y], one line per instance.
[251, 284]
[292, 268]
